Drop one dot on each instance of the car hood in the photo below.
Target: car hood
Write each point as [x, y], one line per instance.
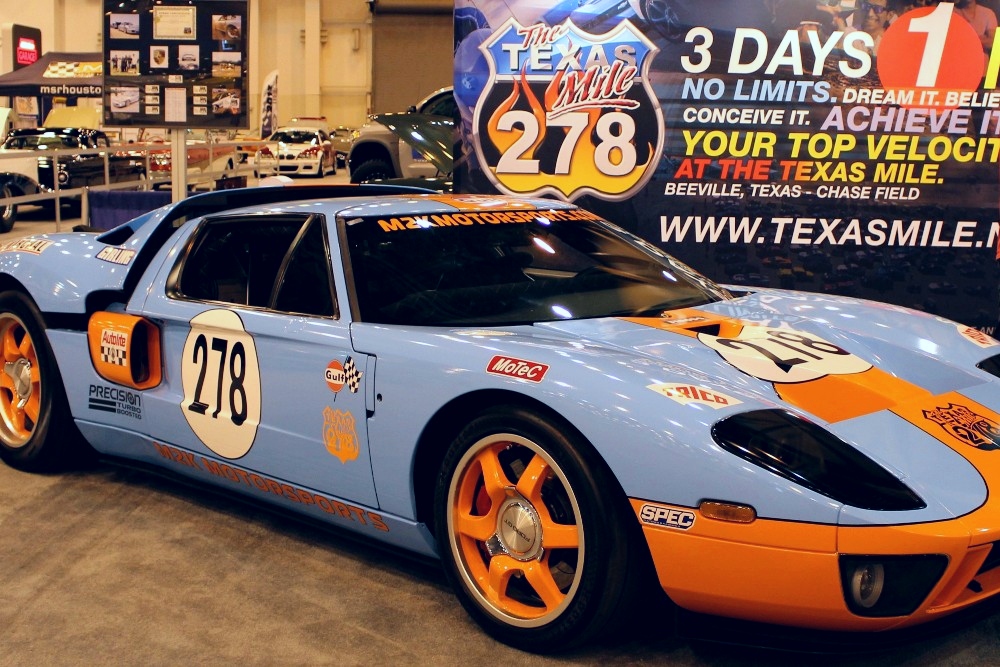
[431, 136]
[901, 387]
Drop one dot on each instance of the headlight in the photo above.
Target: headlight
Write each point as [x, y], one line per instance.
[811, 456]
[881, 586]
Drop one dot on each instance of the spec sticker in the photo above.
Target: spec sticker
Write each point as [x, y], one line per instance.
[688, 393]
[221, 380]
[335, 376]
[784, 355]
[667, 516]
[976, 336]
[116, 255]
[339, 434]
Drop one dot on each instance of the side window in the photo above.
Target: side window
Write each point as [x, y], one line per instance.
[306, 283]
[237, 260]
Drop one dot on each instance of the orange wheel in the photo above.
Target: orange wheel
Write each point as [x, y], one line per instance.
[20, 383]
[36, 429]
[530, 532]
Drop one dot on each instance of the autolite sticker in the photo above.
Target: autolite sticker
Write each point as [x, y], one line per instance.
[114, 347]
[517, 368]
[667, 516]
[688, 393]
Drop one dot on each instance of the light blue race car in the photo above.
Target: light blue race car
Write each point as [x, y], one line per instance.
[568, 418]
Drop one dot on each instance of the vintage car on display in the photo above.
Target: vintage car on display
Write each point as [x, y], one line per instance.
[210, 155]
[567, 417]
[299, 150]
[32, 172]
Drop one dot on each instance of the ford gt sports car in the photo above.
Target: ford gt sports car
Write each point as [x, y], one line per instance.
[561, 413]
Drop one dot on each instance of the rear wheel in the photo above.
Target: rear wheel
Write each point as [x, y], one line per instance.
[531, 533]
[36, 429]
[8, 212]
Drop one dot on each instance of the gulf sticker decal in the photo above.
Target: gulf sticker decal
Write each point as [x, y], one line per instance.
[221, 381]
[688, 393]
[335, 376]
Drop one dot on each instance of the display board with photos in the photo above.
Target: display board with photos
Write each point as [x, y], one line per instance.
[176, 63]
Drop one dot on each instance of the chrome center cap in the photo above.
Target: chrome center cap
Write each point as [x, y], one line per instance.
[20, 372]
[520, 530]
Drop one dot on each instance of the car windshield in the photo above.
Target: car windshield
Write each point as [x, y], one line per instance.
[512, 267]
[41, 141]
[293, 137]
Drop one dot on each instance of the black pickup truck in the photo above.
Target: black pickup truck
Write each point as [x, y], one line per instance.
[33, 173]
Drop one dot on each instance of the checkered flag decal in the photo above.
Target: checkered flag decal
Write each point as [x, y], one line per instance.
[353, 375]
[112, 354]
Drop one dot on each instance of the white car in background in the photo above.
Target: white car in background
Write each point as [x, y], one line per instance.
[297, 150]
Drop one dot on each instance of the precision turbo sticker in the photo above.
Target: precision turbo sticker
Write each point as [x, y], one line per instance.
[115, 400]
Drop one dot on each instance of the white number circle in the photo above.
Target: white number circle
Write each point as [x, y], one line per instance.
[221, 381]
[784, 355]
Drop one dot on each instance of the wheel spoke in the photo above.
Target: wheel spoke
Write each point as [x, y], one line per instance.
[479, 528]
[534, 476]
[26, 348]
[494, 478]
[545, 586]
[11, 352]
[558, 536]
[34, 406]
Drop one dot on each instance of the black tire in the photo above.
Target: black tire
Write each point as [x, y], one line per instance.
[37, 432]
[372, 170]
[321, 169]
[8, 212]
[567, 533]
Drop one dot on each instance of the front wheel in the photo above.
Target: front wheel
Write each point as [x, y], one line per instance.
[36, 429]
[532, 534]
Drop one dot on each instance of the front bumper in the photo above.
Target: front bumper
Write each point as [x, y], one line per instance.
[788, 573]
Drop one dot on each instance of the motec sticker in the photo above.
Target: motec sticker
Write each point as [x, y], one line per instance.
[221, 380]
[521, 369]
[568, 113]
[784, 355]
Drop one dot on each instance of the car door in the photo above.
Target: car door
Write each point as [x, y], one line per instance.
[260, 372]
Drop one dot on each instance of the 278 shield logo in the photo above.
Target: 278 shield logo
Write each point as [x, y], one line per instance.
[567, 112]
